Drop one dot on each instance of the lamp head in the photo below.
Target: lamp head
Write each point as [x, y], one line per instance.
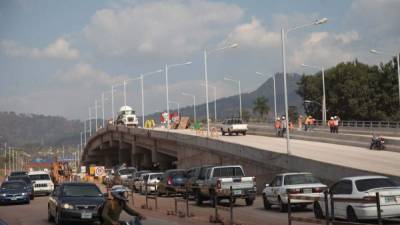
[188, 63]
[235, 45]
[373, 51]
[304, 65]
[259, 73]
[321, 21]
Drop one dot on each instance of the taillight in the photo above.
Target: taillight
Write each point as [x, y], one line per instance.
[218, 184]
[169, 181]
[370, 199]
[294, 190]
[317, 190]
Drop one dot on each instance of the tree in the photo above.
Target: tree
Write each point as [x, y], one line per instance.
[354, 91]
[260, 106]
[293, 113]
[246, 115]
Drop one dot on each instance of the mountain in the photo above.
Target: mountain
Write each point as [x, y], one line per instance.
[229, 106]
[33, 131]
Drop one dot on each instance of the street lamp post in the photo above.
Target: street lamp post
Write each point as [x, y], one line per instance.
[240, 94]
[283, 37]
[206, 53]
[215, 100]
[323, 91]
[273, 79]
[90, 122]
[374, 51]
[112, 98]
[166, 83]
[194, 105]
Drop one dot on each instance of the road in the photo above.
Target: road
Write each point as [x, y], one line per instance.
[383, 162]
[36, 213]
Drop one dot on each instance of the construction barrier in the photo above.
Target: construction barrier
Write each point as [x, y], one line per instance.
[217, 218]
[307, 197]
[150, 197]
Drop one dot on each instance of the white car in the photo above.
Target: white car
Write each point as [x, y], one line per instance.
[126, 173]
[151, 179]
[138, 182]
[42, 183]
[362, 188]
[233, 126]
[275, 193]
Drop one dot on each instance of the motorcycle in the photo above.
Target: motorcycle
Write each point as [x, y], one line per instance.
[377, 142]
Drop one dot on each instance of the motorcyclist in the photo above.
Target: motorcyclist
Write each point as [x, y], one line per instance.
[114, 206]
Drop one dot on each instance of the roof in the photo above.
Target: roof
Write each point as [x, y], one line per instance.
[362, 177]
[38, 172]
[125, 108]
[296, 173]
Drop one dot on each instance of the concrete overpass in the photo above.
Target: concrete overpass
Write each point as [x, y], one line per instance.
[262, 157]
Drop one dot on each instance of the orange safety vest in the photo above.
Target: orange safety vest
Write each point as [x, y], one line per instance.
[277, 124]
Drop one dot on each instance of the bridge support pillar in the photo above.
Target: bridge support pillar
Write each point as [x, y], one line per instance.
[120, 154]
[133, 156]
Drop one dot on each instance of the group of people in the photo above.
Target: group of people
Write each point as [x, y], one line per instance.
[281, 126]
[333, 124]
[309, 123]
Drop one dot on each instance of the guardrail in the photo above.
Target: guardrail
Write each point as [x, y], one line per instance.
[330, 218]
[350, 123]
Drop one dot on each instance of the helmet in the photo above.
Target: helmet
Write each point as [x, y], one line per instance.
[118, 192]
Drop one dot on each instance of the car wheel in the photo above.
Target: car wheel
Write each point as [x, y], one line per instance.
[282, 206]
[244, 133]
[58, 218]
[351, 215]
[237, 133]
[249, 201]
[50, 218]
[223, 132]
[32, 197]
[318, 211]
[199, 198]
[267, 205]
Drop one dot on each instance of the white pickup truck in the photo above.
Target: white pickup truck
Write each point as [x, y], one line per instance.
[218, 181]
[233, 125]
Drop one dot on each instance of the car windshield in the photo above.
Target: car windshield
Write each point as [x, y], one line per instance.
[18, 173]
[300, 179]
[228, 172]
[25, 179]
[39, 177]
[154, 176]
[178, 173]
[368, 184]
[12, 185]
[81, 191]
[126, 171]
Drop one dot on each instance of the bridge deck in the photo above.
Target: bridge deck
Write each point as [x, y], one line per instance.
[383, 162]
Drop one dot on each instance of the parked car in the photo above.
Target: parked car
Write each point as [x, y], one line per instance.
[138, 183]
[275, 193]
[151, 180]
[172, 181]
[18, 173]
[28, 182]
[75, 202]
[195, 176]
[233, 126]
[362, 188]
[14, 192]
[42, 183]
[219, 179]
[126, 173]
[137, 177]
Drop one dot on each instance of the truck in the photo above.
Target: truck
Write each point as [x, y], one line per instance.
[233, 126]
[220, 180]
[126, 116]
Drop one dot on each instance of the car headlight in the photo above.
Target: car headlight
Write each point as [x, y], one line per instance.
[3, 195]
[24, 193]
[67, 206]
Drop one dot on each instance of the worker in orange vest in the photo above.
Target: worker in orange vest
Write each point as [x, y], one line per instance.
[278, 126]
[331, 124]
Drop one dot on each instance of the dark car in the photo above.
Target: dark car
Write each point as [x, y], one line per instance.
[172, 181]
[195, 177]
[18, 173]
[27, 180]
[75, 202]
[14, 192]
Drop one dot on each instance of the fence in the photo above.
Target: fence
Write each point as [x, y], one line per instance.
[330, 208]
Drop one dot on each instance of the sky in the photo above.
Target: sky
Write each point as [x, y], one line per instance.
[59, 57]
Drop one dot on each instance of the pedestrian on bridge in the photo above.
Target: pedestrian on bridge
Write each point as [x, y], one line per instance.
[336, 124]
[331, 124]
[278, 126]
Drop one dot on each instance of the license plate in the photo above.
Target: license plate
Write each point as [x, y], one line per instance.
[237, 192]
[13, 198]
[307, 190]
[86, 215]
[390, 199]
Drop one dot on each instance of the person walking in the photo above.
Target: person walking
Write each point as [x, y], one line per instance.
[284, 126]
[336, 124]
[331, 124]
[278, 126]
